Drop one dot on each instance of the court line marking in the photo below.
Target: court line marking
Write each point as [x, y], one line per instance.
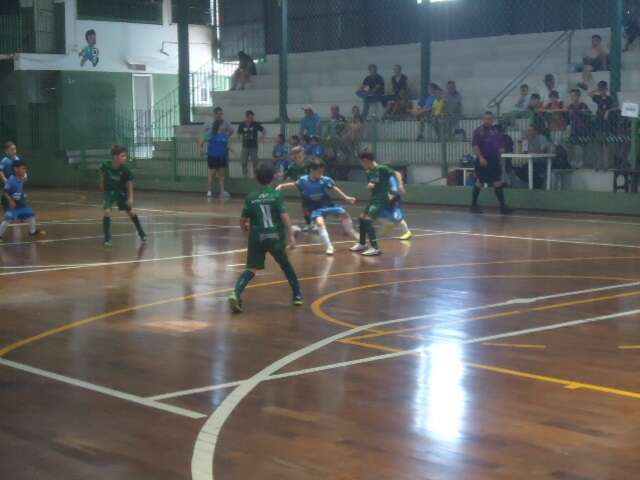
[515, 345]
[103, 390]
[206, 442]
[21, 343]
[93, 237]
[55, 268]
[204, 389]
[629, 347]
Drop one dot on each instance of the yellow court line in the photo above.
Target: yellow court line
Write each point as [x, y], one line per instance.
[514, 345]
[48, 333]
[629, 347]
[569, 384]
[587, 300]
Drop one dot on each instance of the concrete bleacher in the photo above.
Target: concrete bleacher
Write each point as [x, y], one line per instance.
[481, 67]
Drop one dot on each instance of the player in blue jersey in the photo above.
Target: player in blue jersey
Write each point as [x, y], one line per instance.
[16, 199]
[315, 188]
[394, 215]
[217, 156]
[6, 167]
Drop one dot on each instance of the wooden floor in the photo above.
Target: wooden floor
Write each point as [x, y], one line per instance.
[486, 348]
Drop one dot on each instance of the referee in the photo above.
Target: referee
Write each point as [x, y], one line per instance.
[487, 145]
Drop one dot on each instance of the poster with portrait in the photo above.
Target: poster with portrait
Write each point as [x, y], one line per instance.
[90, 53]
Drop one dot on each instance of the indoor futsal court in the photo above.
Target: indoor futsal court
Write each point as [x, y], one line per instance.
[487, 347]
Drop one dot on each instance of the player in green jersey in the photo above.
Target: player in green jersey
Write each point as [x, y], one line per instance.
[299, 168]
[379, 184]
[266, 219]
[116, 181]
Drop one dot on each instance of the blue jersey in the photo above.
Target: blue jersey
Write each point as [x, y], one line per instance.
[314, 150]
[218, 144]
[6, 165]
[315, 193]
[281, 151]
[15, 189]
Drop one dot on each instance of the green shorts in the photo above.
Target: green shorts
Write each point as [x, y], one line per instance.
[257, 253]
[373, 210]
[119, 199]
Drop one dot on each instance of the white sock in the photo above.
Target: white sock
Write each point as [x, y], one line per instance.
[404, 227]
[324, 235]
[347, 224]
[32, 225]
[3, 227]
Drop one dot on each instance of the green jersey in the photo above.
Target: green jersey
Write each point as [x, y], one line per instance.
[380, 176]
[264, 209]
[295, 171]
[115, 178]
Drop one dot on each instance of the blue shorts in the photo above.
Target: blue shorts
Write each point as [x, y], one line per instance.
[335, 211]
[393, 214]
[14, 214]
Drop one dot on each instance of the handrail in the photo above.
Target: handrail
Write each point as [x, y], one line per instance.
[496, 101]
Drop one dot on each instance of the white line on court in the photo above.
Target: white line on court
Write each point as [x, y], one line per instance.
[55, 268]
[103, 390]
[205, 446]
[459, 311]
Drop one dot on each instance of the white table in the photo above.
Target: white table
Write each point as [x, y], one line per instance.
[520, 158]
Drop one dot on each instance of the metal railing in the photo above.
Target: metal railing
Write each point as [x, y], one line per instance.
[566, 36]
[11, 34]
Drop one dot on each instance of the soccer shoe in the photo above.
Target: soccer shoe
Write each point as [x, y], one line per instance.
[358, 248]
[475, 209]
[224, 195]
[506, 210]
[330, 250]
[38, 233]
[209, 194]
[371, 252]
[406, 236]
[235, 304]
[298, 301]
[108, 243]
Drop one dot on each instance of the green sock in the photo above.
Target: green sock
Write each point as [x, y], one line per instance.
[371, 233]
[292, 277]
[106, 227]
[243, 281]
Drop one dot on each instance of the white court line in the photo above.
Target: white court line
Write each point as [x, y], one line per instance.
[56, 268]
[93, 237]
[458, 311]
[103, 390]
[205, 446]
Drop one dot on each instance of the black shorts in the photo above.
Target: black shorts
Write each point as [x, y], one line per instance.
[596, 63]
[217, 162]
[490, 174]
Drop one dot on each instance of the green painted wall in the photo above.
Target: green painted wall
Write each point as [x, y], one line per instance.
[163, 85]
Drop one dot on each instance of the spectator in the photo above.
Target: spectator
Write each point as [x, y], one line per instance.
[337, 131]
[536, 113]
[399, 82]
[314, 148]
[355, 133]
[310, 123]
[522, 104]
[249, 130]
[246, 69]
[537, 143]
[506, 146]
[424, 111]
[596, 59]
[438, 113]
[579, 118]
[399, 109]
[550, 85]
[557, 117]
[371, 91]
[280, 154]
[631, 26]
[452, 109]
[606, 106]
[294, 142]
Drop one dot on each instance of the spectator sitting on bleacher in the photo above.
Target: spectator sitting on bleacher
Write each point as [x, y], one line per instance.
[399, 82]
[550, 85]
[246, 69]
[399, 109]
[313, 148]
[424, 110]
[596, 59]
[606, 108]
[372, 90]
[536, 143]
[310, 123]
[294, 142]
[337, 130]
[579, 118]
[520, 108]
[557, 116]
[280, 154]
[355, 133]
[536, 113]
[452, 109]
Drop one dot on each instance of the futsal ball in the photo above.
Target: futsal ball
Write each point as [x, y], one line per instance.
[295, 229]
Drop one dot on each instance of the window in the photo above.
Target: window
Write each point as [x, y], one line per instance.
[135, 11]
[199, 12]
